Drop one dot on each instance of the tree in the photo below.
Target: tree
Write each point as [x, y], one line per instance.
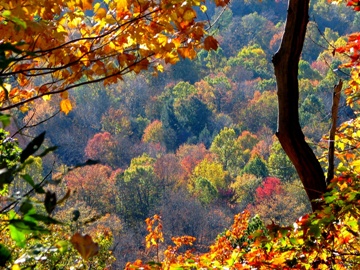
[102, 147]
[193, 115]
[279, 164]
[139, 189]
[260, 112]
[28, 217]
[116, 122]
[227, 150]
[289, 132]
[57, 42]
[210, 171]
[252, 58]
[95, 186]
[257, 167]
[153, 132]
[204, 190]
[191, 155]
[174, 134]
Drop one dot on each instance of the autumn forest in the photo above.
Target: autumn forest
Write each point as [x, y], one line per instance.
[179, 134]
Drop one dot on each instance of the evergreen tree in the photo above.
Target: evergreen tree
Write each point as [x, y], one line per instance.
[174, 134]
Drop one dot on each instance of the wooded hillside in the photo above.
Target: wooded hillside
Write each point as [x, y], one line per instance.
[176, 114]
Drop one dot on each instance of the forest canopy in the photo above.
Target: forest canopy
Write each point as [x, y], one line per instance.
[131, 120]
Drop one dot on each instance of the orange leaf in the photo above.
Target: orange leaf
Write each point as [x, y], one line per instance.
[210, 43]
[65, 106]
[101, 13]
[64, 95]
[141, 65]
[87, 4]
[84, 245]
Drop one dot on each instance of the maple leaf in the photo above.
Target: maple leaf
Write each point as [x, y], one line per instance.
[141, 65]
[84, 245]
[210, 43]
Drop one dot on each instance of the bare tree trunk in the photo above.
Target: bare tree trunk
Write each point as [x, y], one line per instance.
[289, 132]
[334, 115]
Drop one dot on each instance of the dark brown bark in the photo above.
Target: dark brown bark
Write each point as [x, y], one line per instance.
[289, 132]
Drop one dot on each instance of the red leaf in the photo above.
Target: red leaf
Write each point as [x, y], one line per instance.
[210, 43]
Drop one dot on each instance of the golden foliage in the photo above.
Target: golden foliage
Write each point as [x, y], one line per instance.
[55, 41]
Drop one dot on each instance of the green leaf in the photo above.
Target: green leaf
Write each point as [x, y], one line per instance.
[28, 179]
[153, 263]
[6, 13]
[330, 199]
[26, 207]
[19, 22]
[62, 246]
[28, 216]
[315, 230]
[293, 241]
[353, 224]
[38, 188]
[45, 219]
[17, 235]
[5, 119]
[5, 255]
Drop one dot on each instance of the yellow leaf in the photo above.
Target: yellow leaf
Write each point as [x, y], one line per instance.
[203, 8]
[162, 39]
[121, 5]
[189, 15]
[65, 106]
[279, 260]
[160, 68]
[46, 97]
[96, 7]
[110, 19]
[24, 108]
[171, 58]
[7, 86]
[356, 165]
[15, 267]
[343, 186]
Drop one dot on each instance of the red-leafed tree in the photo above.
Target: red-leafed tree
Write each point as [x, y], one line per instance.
[270, 186]
[95, 186]
[102, 147]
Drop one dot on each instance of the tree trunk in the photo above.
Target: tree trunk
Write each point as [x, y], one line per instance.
[289, 132]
